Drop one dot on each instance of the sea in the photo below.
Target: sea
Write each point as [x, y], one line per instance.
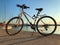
[28, 28]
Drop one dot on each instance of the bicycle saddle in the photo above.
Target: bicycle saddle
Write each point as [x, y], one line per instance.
[23, 6]
[39, 9]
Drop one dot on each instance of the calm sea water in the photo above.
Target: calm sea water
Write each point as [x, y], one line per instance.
[57, 30]
[28, 28]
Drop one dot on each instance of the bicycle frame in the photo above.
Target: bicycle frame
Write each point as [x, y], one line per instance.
[24, 13]
[35, 26]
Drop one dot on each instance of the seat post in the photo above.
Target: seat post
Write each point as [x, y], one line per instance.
[38, 13]
[22, 9]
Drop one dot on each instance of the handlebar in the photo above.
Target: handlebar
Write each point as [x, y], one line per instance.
[23, 6]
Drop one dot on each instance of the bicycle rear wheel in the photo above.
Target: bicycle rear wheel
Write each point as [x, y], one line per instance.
[46, 25]
[14, 26]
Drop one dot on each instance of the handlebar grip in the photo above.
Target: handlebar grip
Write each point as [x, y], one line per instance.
[18, 5]
[23, 6]
[28, 7]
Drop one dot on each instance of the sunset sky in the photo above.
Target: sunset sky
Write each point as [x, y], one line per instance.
[8, 8]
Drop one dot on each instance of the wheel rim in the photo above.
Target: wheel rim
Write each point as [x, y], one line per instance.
[14, 26]
[48, 28]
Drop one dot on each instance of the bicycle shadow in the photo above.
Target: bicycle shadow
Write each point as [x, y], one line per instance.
[20, 40]
[27, 39]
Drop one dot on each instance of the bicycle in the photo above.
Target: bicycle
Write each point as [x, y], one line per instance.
[42, 27]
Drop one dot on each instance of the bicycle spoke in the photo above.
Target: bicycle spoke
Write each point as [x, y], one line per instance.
[48, 27]
[14, 26]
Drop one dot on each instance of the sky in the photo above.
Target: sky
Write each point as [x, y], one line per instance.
[8, 8]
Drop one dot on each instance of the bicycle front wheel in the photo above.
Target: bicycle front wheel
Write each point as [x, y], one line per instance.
[14, 26]
[46, 25]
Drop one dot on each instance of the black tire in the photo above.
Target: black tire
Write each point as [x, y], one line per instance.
[12, 28]
[46, 26]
